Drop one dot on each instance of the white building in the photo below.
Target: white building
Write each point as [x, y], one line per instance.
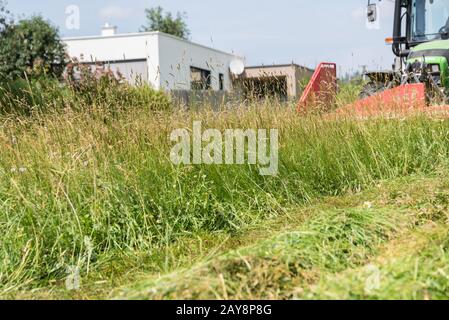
[164, 61]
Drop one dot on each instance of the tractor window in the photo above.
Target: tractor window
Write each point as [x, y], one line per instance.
[430, 19]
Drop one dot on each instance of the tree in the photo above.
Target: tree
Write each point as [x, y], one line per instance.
[5, 18]
[157, 20]
[32, 46]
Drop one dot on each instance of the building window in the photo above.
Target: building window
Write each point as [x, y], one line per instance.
[200, 79]
[221, 81]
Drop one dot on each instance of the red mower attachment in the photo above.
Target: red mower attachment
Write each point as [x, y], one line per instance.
[322, 88]
[399, 101]
[404, 100]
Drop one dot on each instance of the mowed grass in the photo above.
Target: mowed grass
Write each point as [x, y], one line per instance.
[348, 248]
[95, 193]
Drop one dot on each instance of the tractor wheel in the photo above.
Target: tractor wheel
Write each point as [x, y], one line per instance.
[372, 88]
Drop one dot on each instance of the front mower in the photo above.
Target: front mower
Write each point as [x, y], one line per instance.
[420, 42]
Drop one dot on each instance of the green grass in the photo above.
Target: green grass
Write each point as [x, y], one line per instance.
[415, 273]
[330, 255]
[330, 242]
[95, 190]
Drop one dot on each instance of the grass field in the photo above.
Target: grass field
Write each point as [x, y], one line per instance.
[359, 209]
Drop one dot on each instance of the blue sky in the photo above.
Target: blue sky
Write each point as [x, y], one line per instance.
[263, 31]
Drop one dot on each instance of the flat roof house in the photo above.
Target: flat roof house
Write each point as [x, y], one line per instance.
[164, 61]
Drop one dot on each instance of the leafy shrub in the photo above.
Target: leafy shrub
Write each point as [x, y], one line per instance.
[23, 96]
[31, 47]
[84, 87]
[98, 85]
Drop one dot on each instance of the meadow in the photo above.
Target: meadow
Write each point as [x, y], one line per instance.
[89, 197]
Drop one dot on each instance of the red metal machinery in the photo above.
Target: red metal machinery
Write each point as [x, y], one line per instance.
[322, 88]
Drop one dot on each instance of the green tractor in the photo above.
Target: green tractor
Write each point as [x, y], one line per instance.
[420, 43]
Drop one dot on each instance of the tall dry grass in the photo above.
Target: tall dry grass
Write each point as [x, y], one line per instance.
[84, 179]
[77, 187]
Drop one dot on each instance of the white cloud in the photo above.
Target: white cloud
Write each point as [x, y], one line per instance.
[115, 12]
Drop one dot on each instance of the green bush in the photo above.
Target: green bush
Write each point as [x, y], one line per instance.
[23, 96]
[90, 90]
[94, 86]
[31, 47]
